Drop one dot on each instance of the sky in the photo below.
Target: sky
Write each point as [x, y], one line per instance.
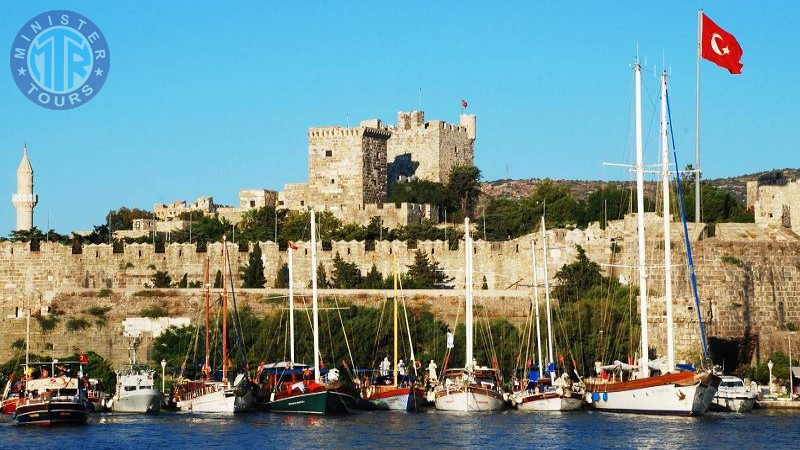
[207, 98]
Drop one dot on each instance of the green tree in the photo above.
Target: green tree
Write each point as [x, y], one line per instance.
[345, 275]
[282, 277]
[425, 273]
[254, 272]
[373, 279]
[322, 277]
[464, 185]
[161, 279]
[184, 283]
[576, 277]
[218, 280]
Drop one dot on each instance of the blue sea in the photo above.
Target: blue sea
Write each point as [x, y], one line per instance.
[432, 429]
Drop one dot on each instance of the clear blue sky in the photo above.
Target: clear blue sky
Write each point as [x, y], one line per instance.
[206, 98]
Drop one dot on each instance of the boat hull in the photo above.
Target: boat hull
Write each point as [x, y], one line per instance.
[221, 401]
[548, 401]
[52, 413]
[143, 401]
[400, 399]
[681, 394]
[733, 404]
[319, 402]
[468, 399]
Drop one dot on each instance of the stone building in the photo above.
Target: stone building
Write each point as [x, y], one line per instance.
[24, 200]
[772, 199]
[172, 210]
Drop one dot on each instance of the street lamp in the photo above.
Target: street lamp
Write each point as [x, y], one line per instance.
[769, 366]
[164, 366]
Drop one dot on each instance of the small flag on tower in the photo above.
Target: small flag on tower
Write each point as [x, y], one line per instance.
[292, 246]
[719, 46]
[464, 103]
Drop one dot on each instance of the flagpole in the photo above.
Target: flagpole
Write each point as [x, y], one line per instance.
[697, 217]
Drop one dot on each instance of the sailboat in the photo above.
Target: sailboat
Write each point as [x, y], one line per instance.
[472, 388]
[223, 396]
[551, 393]
[297, 388]
[686, 392]
[398, 391]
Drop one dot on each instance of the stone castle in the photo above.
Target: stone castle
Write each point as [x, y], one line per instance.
[350, 172]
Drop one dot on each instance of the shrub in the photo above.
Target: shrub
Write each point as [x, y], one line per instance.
[77, 324]
[151, 267]
[153, 312]
[19, 344]
[129, 265]
[732, 260]
[149, 293]
[98, 311]
[47, 323]
[161, 279]
[103, 293]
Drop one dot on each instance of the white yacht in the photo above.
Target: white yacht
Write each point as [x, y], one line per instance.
[733, 396]
[135, 391]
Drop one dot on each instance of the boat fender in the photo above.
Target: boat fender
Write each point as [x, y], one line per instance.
[595, 396]
[589, 398]
[605, 396]
[110, 403]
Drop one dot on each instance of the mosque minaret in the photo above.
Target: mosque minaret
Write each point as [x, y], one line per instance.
[24, 200]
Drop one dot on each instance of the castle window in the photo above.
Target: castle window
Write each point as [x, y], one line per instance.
[456, 149]
[332, 181]
[328, 153]
[302, 202]
[280, 202]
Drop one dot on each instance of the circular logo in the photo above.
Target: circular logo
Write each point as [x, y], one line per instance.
[60, 60]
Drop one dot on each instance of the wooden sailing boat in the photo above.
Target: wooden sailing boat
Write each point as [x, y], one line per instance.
[676, 393]
[293, 388]
[223, 396]
[396, 393]
[546, 394]
[472, 388]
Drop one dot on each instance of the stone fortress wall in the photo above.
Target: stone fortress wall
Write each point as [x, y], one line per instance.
[774, 201]
[749, 276]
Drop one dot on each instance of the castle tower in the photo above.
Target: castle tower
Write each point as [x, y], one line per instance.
[24, 200]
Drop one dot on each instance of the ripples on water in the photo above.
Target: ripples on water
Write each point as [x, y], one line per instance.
[508, 429]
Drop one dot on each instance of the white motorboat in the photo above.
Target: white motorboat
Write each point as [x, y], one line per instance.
[733, 396]
[135, 391]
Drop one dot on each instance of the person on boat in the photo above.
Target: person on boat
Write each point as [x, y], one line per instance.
[385, 366]
[45, 373]
[432, 371]
[333, 374]
[308, 374]
[401, 368]
[450, 340]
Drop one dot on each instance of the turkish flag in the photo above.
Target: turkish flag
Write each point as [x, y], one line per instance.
[719, 46]
[292, 246]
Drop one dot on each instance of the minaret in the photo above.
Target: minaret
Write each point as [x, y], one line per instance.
[24, 200]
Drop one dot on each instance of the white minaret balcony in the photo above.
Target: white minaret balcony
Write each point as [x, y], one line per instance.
[25, 199]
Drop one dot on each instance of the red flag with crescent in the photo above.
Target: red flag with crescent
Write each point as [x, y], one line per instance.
[719, 46]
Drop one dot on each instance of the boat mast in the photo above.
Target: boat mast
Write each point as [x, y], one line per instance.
[291, 304]
[667, 232]
[224, 311]
[644, 361]
[314, 306]
[468, 285]
[547, 300]
[207, 295]
[394, 271]
[536, 306]
[27, 345]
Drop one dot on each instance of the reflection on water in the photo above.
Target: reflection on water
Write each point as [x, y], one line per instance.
[385, 430]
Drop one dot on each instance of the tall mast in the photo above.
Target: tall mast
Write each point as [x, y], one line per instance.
[314, 306]
[643, 366]
[667, 232]
[394, 271]
[291, 304]
[224, 311]
[547, 297]
[207, 295]
[536, 305]
[468, 285]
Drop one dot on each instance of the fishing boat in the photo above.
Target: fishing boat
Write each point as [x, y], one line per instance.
[546, 393]
[732, 396]
[398, 391]
[135, 391]
[473, 387]
[686, 392]
[52, 400]
[221, 395]
[298, 388]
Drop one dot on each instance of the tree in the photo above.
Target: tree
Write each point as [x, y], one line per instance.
[282, 277]
[322, 277]
[464, 185]
[484, 284]
[345, 275]
[122, 219]
[373, 279]
[576, 277]
[218, 280]
[254, 272]
[161, 279]
[424, 273]
[184, 283]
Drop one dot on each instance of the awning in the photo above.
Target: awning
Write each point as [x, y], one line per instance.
[796, 371]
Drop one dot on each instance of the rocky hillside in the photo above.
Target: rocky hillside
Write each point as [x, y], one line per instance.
[516, 189]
